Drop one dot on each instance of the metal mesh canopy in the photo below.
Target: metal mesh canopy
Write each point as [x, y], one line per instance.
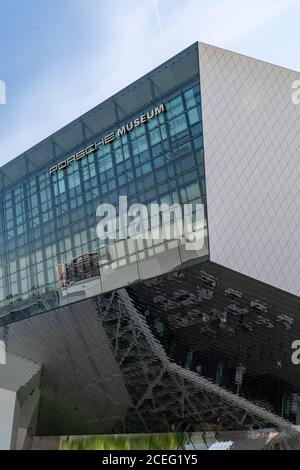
[112, 364]
[228, 328]
[165, 395]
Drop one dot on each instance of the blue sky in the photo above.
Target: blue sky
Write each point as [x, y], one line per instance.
[59, 58]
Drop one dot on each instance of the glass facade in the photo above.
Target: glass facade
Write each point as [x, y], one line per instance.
[121, 359]
[50, 254]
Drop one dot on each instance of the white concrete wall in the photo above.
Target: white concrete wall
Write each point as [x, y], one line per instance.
[252, 159]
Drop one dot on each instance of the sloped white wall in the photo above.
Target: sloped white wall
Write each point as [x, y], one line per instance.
[252, 159]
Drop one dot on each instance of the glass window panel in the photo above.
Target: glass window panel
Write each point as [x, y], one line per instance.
[153, 123]
[192, 97]
[105, 164]
[119, 155]
[194, 116]
[177, 125]
[137, 132]
[174, 107]
[155, 137]
[139, 146]
[74, 180]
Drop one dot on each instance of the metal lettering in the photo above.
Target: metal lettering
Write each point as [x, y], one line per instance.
[71, 159]
[129, 126]
[99, 144]
[62, 165]
[150, 114]
[108, 139]
[53, 170]
[80, 155]
[121, 131]
[90, 149]
[159, 109]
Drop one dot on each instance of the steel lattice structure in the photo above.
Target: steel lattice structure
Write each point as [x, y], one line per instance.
[164, 395]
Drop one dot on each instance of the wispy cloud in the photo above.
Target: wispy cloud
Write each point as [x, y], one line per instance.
[123, 41]
[157, 12]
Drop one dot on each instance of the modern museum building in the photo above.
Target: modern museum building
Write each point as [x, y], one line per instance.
[164, 334]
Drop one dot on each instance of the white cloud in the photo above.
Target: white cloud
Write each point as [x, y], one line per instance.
[124, 41]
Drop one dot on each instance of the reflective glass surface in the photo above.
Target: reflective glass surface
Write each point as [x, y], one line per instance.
[50, 254]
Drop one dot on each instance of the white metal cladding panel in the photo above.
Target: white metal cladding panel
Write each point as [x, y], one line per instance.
[252, 157]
